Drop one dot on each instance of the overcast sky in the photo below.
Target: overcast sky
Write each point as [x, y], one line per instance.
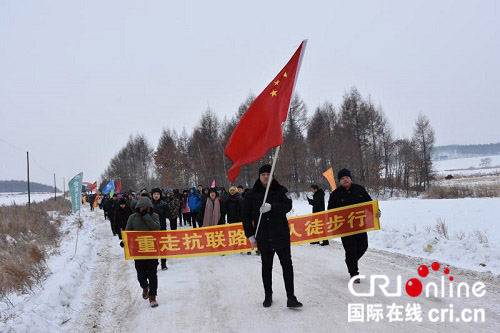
[78, 77]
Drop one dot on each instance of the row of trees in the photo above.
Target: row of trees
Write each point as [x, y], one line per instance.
[355, 135]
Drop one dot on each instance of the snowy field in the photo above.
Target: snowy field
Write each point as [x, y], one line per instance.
[467, 166]
[22, 198]
[408, 226]
[96, 290]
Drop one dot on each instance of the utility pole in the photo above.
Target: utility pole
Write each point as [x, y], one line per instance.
[28, 168]
[55, 194]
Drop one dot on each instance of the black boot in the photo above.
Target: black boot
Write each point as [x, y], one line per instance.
[293, 303]
[268, 300]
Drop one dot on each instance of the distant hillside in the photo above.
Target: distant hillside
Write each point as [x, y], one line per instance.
[22, 186]
[459, 151]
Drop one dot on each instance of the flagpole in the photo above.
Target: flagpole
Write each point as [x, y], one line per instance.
[277, 151]
[278, 148]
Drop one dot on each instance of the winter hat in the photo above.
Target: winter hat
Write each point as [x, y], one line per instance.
[155, 190]
[145, 194]
[144, 202]
[343, 173]
[265, 168]
[122, 201]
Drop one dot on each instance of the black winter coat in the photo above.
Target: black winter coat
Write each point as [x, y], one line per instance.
[161, 208]
[121, 218]
[110, 208]
[274, 232]
[342, 197]
[318, 201]
[233, 208]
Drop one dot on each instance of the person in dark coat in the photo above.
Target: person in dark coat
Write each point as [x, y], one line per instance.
[203, 195]
[122, 213]
[233, 206]
[347, 194]
[273, 235]
[131, 200]
[111, 206]
[173, 205]
[318, 203]
[91, 201]
[177, 195]
[145, 218]
[241, 191]
[160, 208]
[104, 205]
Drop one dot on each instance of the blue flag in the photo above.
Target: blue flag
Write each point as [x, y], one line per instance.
[109, 187]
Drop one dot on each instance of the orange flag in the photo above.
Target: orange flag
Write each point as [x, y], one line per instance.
[96, 200]
[328, 174]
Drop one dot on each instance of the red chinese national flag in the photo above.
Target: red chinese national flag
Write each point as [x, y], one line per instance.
[118, 186]
[260, 127]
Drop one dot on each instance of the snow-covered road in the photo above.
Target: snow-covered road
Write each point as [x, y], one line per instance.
[99, 292]
[224, 294]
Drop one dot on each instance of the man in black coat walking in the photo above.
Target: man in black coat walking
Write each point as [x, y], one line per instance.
[160, 208]
[318, 203]
[347, 194]
[273, 235]
[233, 205]
[110, 207]
[122, 213]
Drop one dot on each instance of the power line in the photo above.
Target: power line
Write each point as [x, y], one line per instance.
[23, 151]
[11, 145]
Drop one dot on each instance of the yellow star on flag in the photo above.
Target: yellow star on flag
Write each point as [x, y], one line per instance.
[274, 93]
[276, 82]
[285, 75]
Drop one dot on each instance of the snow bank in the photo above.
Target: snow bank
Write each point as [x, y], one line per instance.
[409, 226]
[49, 309]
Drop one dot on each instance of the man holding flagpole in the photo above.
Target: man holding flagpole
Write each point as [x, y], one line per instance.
[274, 233]
[259, 130]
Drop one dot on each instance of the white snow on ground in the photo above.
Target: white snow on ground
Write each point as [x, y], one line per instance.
[467, 166]
[97, 290]
[60, 298]
[404, 225]
[22, 198]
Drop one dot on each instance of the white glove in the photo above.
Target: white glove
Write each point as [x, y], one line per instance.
[252, 241]
[265, 208]
[379, 214]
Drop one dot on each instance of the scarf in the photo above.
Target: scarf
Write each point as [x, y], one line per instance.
[212, 212]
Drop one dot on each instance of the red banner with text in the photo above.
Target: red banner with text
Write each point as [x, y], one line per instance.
[230, 238]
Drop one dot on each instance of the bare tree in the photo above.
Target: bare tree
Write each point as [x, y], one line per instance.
[423, 138]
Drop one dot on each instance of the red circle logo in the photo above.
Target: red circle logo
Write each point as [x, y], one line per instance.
[423, 271]
[413, 287]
